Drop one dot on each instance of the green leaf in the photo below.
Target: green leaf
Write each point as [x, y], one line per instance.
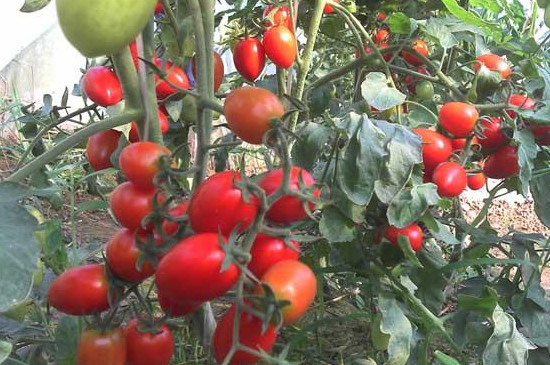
[378, 94]
[396, 324]
[66, 339]
[438, 29]
[471, 18]
[492, 6]
[527, 152]
[400, 23]
[5, 350]
[539, 189]
[18, 263]
[335, 227]
[445, 359]
[411, 204]
[361, 162]
[410, 255]
[91, 205]
[485, 304]
[15, 329]
[506, 345]
[405, 150]
[439, 230]
[34, 5]
[50, 237]
[312, 139]
[535, 322]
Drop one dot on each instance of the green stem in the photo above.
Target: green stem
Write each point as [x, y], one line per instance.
[126, 72]
[151, 129]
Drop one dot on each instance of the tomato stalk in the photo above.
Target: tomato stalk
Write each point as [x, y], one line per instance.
[126, 72]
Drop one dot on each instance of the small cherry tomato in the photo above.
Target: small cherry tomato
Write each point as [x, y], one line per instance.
[249, 58]
[494, 63]
[436, 148]
[451, 179]
[413, 232]
[329, 9]
[491, 136]
[148, 347]
[122, 256]
[457, 118]
[280, 46]
[101, 85]
[520, 101]
[424, 90]
[100, 147]
[130, 204]
[267, 251]
[477, 180]
[502, 164]
[105, 348]
[420, 47]
[175, 75]
[139, 162]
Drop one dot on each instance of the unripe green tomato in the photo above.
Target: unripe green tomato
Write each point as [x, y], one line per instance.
[542, 3]
[103, 27]
[424, 90]
[380, 340]
[547, 15]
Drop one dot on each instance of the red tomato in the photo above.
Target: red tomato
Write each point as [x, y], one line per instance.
[175, 75]
[381, 36]
[436, 148]
[477, 181]
[249, 58]
[541, 134]
[130, 204]
[82, 290]
[457, 118]
[159, 8]
[387, 55]
[502, 164]
[280, 15]
[122, 256]
[329, 9]
[164, 125]
[174, 308]
[292, 281]
[267, 251]
[494, 63]
[170, 228]
[105, 348]
[139, 162]
[218, 205]
[134, 52]
[420, 47]
[411, 81]
[413, 232]
[219, 70]
[288, 209]
[280, 46]
[450, 178]
[460, 143]
[148, 347]
[100, 147]
[101, 86]
[198, 259]
[381, 16]
[492, 137]
[520, 101]
[251, 335]
[249, 111]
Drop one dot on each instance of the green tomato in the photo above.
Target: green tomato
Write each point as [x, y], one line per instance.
[424, 90]
[380, 340]
[103, 27]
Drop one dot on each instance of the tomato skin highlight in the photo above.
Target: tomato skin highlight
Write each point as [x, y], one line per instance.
[130, 204]
[419, 46]
[122, 255]
[198, 259]
[451, 179]
[249, 58]
[101, 85]
[502, 164]
[413, 232]
[280, 46]
[288, 209]
[148, 348]
[267, 251]
[249, 111]
[107, 348]
[436, 148]
[175, 75]
[477, 181]
[521, 101]
[140, 162]
[218, 205]
[81, 290]
[457, 118]
[494, 63]
[100, 147]
[250, 335]
[293, 281]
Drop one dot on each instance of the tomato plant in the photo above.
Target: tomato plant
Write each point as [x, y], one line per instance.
[96, 347]
[249, 58]
[494, 63]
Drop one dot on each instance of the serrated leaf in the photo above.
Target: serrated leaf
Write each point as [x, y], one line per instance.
[378, 94]
[395, 323]
[439, 231]
[411, 204]
[470, 17]
[313, 137]
[400, 23]
[535, 322]
[336, 227]
[438, 29]
[527, 152]
[34, 5]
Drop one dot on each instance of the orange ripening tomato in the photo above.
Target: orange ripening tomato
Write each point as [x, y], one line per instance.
[494, 63]
[104, 348]
[267, 251]
[420, 47]
[477, 181]
[279, 15]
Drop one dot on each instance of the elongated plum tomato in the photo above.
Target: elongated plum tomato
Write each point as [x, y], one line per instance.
[169, 227]
[218, 205]
[280, 46]
[451, 179]
[219, 70]
[199, 260]
[154, 347]
[267, 251]
[491, 137]
[100, 147]
[249, 58]
[106, 348]
[251, 335]
[81, 290]
[164, 125]
[457, 118]
[101, 85]
[420, 47]
[520, 101]
[502, 164]
[175, 308]
[436, 148]
[292, 281]
[130, 204]
[102, 27]
[279, 15]
[494, 63]
[413, 232]
[249, 111]
[175, 75]
[288, 209]
[329, 9]
[122, 256]
[477, 180]
[139, 162]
